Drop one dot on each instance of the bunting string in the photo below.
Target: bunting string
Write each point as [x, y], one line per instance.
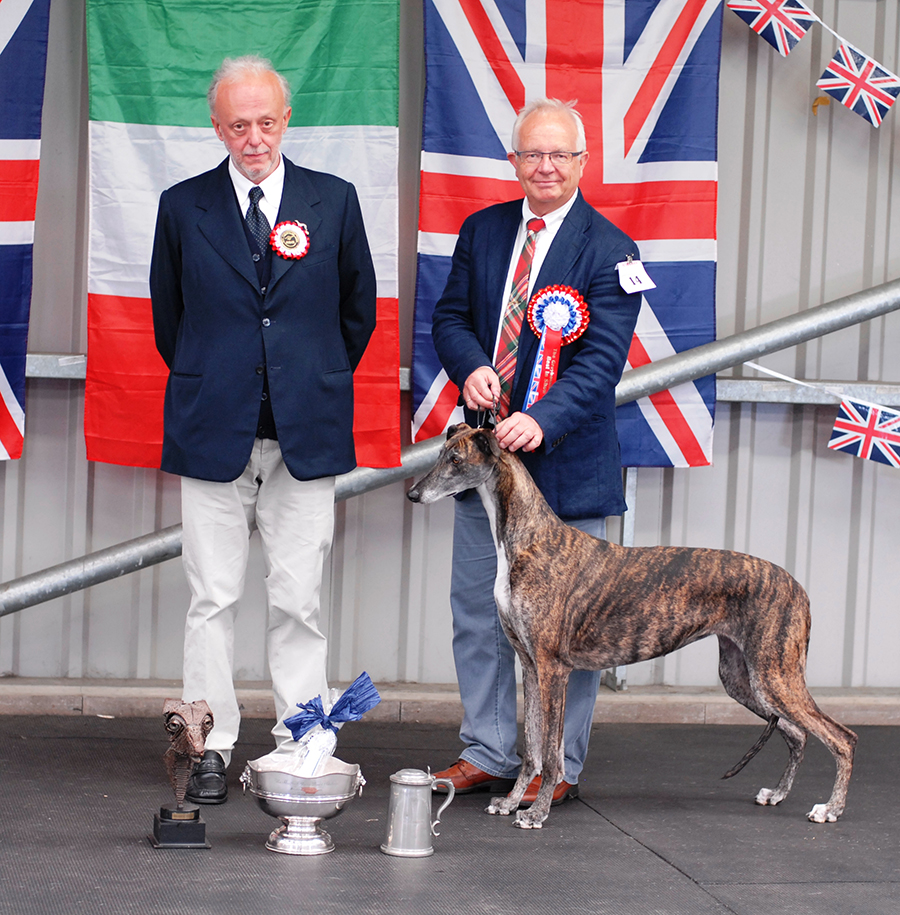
[865, 430]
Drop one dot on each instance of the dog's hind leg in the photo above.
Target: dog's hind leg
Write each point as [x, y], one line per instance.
[736, 679]
[783, 691]
[801, 711]
[795, 738]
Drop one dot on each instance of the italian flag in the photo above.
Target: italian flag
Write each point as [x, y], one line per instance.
[150, 65]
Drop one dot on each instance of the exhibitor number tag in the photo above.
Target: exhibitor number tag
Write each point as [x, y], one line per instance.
[633, 277]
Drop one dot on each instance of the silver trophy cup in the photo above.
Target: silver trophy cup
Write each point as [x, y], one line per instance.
[302, 803]
[409, 826]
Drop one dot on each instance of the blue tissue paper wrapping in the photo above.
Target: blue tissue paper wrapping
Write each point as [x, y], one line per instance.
[352, 704]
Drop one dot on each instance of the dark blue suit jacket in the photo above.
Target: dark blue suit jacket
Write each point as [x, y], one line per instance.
[577, 467]
[221, 335]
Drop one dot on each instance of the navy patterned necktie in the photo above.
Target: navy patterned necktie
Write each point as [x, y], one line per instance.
[256, 220]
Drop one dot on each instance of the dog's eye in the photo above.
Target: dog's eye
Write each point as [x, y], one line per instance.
[454, 460]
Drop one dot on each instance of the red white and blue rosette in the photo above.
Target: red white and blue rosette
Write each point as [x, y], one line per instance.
[558, 315]
[290, 239]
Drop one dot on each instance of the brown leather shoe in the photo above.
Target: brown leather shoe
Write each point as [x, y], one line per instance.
[467, 778]
[562, 793]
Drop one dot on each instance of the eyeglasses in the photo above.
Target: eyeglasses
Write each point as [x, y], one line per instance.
[533, 157]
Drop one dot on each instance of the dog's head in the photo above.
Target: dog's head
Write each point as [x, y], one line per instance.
[467, 459]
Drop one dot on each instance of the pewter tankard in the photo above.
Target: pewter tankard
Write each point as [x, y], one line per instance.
[409, 828]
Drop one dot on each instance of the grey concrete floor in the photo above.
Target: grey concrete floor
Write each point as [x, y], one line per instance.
[655, 830]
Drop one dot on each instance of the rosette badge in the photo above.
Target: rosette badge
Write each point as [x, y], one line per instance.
[558, 315]
[290, 239]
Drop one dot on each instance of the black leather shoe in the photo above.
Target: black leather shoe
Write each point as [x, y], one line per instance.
[207, 783]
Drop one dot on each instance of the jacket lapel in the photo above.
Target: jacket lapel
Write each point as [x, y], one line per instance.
[503, 237]
[299, 203]
[221, 224]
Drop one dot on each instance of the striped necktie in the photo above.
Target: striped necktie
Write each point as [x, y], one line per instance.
[256, 220]
[511, 327]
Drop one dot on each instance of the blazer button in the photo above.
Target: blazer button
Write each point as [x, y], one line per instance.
[266, 322]
[265, 396]
[260, 369]
[256, 258]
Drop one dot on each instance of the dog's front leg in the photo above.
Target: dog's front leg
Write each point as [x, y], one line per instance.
[552, 682]
[507, 805]
[531, 763]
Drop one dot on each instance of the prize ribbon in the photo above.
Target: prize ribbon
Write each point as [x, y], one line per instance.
[290, 239]
[558, 315]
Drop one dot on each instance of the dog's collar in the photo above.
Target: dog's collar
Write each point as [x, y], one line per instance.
[486, 419]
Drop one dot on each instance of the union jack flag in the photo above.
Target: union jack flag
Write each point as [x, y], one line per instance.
[867, 431]
[23, 55]
[781, 22]
[645, 75]
[860, 83]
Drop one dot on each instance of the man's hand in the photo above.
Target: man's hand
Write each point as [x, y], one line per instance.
[482, 389]
[519, 431]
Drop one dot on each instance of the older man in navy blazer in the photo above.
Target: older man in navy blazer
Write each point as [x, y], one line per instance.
[567, 437]
[263, 296]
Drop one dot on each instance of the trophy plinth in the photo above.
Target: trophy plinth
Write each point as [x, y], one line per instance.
[179, 827]
[188, 725]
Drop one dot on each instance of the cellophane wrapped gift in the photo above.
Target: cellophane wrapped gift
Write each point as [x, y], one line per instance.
[315, 728]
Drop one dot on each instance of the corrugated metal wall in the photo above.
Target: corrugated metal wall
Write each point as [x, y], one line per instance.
[809, 211]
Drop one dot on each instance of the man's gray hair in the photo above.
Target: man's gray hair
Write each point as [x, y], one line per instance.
[550, 104]
[234, 67]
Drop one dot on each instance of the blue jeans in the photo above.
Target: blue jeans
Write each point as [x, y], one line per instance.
[485, 661]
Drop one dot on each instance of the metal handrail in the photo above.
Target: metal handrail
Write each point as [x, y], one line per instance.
[143, 552]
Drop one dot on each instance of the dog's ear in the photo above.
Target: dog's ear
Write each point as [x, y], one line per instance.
[460, 427]
[486, 442]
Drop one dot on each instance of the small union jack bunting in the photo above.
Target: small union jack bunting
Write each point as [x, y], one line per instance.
[860, 83]
[781, 22]
[868, 431]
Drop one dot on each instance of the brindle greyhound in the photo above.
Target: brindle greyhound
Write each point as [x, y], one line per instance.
[567, 600]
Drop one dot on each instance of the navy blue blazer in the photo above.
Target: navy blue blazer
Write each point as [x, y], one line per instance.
[578, 466]
[220, 334]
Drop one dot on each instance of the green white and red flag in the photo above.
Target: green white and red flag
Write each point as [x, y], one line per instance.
[150, 64]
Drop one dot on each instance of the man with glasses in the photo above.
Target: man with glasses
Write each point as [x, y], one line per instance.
[486, 337]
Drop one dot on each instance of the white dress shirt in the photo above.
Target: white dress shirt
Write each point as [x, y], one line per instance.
[271, 186]
[552, 222]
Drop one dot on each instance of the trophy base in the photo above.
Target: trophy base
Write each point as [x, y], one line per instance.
[175, 827]
[300, 836]
[407, 852]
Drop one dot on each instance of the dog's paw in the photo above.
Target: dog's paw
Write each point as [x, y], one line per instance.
[767, 798]
[500, 806]
[822, 813]
[528, 819]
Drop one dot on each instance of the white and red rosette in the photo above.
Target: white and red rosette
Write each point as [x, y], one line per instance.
[558, 315]
[290, 239]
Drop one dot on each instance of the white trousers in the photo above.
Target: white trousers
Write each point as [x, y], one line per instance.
[295, 520]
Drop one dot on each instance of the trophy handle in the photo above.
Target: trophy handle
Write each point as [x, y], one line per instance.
[451, 791]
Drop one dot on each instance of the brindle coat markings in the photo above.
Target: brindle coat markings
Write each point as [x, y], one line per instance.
[567, 600]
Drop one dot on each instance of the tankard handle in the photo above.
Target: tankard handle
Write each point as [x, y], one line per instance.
[450, 792]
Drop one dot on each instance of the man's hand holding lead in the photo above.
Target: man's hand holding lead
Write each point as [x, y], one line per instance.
[519, 431]
[482, 389]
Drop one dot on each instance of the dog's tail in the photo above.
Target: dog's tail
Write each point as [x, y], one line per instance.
[766, 734]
